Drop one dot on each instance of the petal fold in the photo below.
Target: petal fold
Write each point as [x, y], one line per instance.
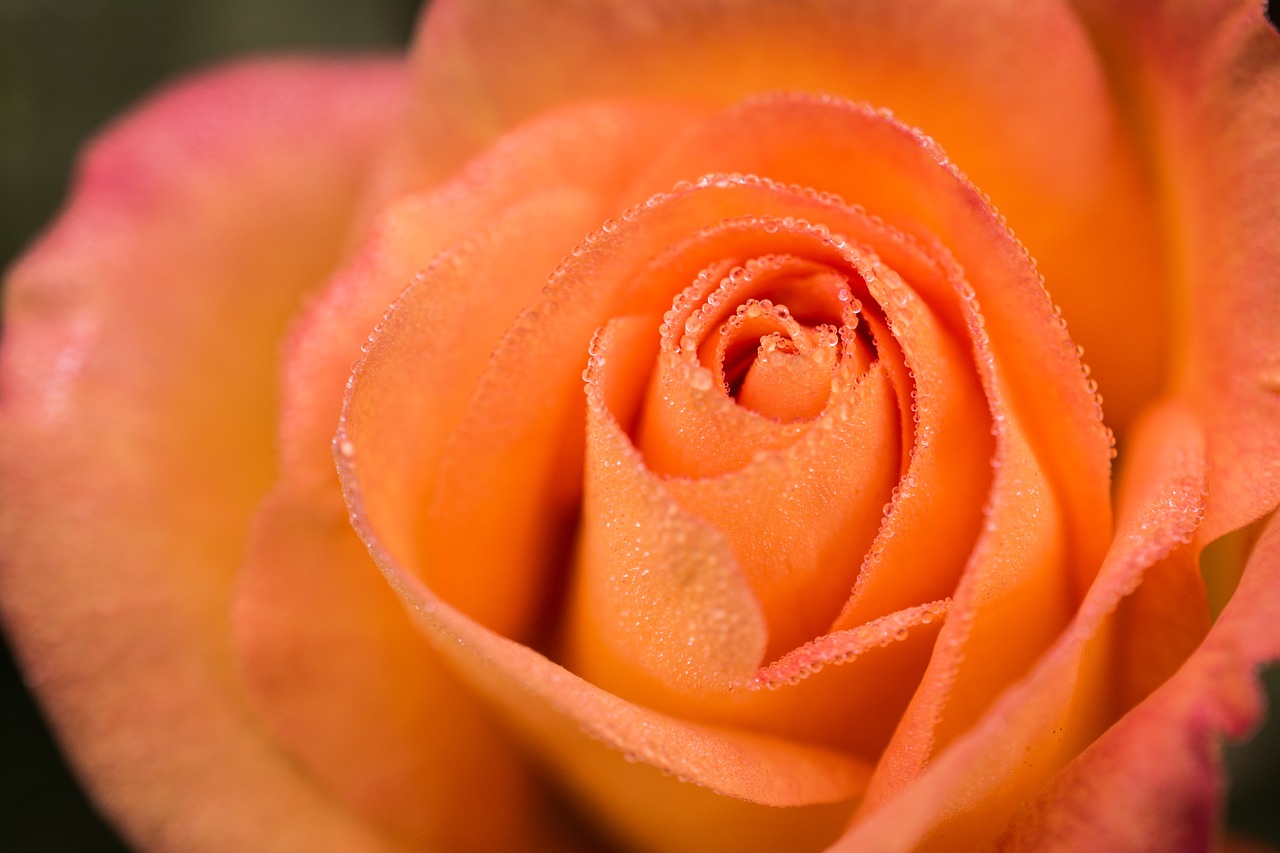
[972, 789]
[1155, 779]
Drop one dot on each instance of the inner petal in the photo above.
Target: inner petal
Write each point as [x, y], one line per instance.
[731, 316]
[787, 382]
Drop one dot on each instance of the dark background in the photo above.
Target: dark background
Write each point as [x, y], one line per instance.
[67, 66]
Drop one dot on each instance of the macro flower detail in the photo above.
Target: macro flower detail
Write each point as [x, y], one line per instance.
[684, 455]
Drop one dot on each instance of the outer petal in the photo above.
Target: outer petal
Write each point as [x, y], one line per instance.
[1046, 143]
[136, 408]
[1154, 780]
[1206, 78]
[1225, 157]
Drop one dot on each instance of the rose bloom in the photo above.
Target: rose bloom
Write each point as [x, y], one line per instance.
[622, 425]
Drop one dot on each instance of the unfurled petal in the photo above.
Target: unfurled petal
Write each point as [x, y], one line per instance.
[1205, 79]
[1154, 781]
[138, 421]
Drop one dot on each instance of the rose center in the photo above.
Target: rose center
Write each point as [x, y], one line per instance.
[770, 333]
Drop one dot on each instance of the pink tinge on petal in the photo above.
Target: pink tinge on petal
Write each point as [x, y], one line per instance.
[1156, 778]
[1203, 80]
[137, 407]
[1224, 139]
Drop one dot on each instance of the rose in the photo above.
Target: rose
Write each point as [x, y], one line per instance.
[137, 442]
[351, 772]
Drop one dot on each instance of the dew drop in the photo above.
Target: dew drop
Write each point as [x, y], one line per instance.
[701, 379]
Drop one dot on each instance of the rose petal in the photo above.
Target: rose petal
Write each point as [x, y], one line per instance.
[811, 694]
[971, 790]
[1155, 779]
[593, 148]
[798, 519]
[867, 158]
[568, 721]
[529, 396]
[793, 520]
[1047, 144]
[1019, 582]
[687, 431]
[380, 455]
[355, 693]
[938, 501]
[340, 673]
[137, 421]
[386, 446]
[395, 735]
[1208, 77]
[655, 584]
[481, 68]
[522, 424]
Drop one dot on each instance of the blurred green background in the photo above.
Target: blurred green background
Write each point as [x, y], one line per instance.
[66, 67]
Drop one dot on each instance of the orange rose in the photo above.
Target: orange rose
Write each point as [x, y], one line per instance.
[824, 556]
